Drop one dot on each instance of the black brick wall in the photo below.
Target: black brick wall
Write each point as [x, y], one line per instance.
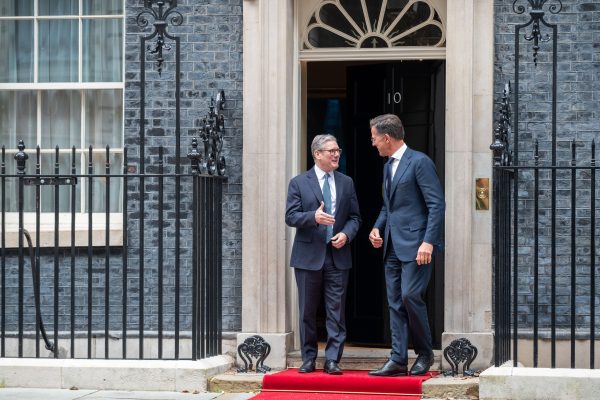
[211, 60]
[578, 118]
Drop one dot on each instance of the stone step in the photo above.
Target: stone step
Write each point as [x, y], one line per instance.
[355, 358]
[455, 388]
[233, 382]
[360, 358]
[437, 388]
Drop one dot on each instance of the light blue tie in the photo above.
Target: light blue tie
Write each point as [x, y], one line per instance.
[328, 205]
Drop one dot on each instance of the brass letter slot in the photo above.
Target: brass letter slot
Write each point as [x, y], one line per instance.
[482, 193]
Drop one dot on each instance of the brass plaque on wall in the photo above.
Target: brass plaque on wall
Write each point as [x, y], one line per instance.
[482, 193]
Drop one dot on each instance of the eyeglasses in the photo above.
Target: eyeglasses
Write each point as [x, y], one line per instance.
[333, 152]
[375, 138]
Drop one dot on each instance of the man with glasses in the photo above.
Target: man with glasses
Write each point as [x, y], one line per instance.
[322, 206]
[409, 228]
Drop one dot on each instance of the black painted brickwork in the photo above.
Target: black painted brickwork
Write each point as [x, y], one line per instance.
[578, 118]
[64, 291]
[211, 59]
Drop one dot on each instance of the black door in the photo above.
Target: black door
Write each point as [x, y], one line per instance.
[415, 92]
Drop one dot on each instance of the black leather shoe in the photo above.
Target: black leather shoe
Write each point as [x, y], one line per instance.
[331, 367]
[307, 366]
[422, 364]
[390, 368]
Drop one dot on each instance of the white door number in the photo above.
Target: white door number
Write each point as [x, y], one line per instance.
[396, 97]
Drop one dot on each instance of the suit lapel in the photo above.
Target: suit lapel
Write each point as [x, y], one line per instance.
[313, 182]
[402, 167]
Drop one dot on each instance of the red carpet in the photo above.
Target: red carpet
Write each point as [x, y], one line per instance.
[328, 396]
[352, 385]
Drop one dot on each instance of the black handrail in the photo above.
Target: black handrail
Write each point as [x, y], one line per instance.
[36, 293]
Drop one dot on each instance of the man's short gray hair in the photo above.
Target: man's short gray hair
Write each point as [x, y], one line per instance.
[390, 124]
[319, 141]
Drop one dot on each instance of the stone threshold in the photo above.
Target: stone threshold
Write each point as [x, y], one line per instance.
[234, 382]
[457, 388]
[153, 375]
[355, 358]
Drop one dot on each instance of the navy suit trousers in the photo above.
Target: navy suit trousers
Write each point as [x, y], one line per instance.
[406, 284]
[331, 283]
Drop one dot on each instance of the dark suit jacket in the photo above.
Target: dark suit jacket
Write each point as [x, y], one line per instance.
[413, 213]
[303, 199]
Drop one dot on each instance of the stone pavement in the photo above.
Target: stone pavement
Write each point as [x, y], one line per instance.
[65, 394]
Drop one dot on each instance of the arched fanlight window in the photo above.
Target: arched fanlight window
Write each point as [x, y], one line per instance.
[374, 24]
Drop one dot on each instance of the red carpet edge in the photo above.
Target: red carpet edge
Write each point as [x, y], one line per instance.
[337, 392]
[325, 396]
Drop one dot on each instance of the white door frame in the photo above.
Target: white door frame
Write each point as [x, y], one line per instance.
[275, 147]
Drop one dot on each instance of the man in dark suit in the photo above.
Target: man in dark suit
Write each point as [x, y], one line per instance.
[409, 228]
[322, 206]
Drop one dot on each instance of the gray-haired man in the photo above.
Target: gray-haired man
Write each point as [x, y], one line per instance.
[322, 206]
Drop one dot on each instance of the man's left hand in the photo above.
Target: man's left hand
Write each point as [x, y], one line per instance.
[424, 253]
[339, 240]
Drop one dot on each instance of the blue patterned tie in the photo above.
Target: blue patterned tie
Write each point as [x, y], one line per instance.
[328, 205]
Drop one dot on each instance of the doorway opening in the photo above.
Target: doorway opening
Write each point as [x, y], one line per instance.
[341, 99]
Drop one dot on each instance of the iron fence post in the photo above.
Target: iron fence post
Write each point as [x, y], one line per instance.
[21, 159]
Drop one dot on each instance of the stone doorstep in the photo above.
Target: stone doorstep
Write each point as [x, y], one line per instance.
[233, 382]
[130, 375]
[357, 358]
[435, 388]
[456, 388]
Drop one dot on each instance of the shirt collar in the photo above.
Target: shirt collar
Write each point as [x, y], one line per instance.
[400, 152]
[320, 173]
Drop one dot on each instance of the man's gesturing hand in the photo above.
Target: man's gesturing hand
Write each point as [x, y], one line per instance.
[375, 239]
[322, 217]
[424, 253]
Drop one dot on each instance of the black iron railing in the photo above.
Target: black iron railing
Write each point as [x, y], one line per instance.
[157, 288]
[558, 304]
[502, 262]
[502, 198]
[544, 208]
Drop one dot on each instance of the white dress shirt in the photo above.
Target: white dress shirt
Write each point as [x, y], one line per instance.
[321, 177]
[396, 157]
